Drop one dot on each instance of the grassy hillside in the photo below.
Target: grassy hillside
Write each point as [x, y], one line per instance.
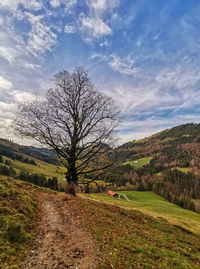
[139, 162]
[18, 208]
[131, 239]
[47, 169]
[167, 163]
[155, 206]
[38, 153]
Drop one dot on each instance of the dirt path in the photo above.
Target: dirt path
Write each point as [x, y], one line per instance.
[125, 197]
[61, 242]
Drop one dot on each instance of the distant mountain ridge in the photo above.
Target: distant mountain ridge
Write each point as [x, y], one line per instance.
[167, 163]
[39, 153]
[176, 140]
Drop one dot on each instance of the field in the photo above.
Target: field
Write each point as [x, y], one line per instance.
[139, 162]
[155, 206]
[131, 239]
[126, 237]
[47, 169]
[183, 169]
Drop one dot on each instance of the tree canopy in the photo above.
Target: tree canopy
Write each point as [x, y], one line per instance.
[74, 120]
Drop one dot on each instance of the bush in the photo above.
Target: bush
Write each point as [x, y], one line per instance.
[13, 231]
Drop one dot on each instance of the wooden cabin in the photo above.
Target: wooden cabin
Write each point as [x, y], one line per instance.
[113, 194]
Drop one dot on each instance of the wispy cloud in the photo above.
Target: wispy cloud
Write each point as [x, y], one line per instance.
[5, 84]
[10, 98]
[13, 5]
[123, 65]
[69, 29]
[94, 23]
[149, 67]
[67, 4]
[40, 38]
[95, 26]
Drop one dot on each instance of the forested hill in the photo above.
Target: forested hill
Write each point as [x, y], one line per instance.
[167, 162]
[180, 144]
[14, 150]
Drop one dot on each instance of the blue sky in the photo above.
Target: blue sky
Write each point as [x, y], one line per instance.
[145, 54]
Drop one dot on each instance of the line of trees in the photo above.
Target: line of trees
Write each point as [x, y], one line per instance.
[39, 180]
[15, 156]
[7, 171]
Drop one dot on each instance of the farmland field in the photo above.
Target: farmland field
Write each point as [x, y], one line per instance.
[139, 162]
[155, 206]
[47, 169]
[133, 239]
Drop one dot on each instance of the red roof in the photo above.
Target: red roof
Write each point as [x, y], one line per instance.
[112, 193]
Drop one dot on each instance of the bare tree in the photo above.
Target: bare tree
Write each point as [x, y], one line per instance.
[75, 121]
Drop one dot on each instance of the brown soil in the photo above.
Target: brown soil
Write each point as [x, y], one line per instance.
[61, 242]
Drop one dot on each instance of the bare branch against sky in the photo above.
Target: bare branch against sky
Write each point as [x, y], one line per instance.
[144, 54]
[74, 120]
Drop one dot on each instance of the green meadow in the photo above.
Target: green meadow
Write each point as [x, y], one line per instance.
[153, 205]
[139, 162]
[47, 169]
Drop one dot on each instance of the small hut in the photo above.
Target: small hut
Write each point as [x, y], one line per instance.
[113, 194]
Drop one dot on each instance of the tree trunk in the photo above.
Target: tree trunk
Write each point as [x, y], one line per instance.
[72, 179]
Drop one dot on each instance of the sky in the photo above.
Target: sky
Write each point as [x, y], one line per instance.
[145, 54]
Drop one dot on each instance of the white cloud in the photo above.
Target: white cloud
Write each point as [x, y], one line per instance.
[104, 44]
[55, 3]
[68, 4]
[13, 5]
[5, 84]
[41, 37]
[69, 29]
[14, 48]
[18, 48]
[150, 96]
[123, 65]
[9, 100]
[57, 26]
[12, 45]
[21, 97]
[137, 129]
[95, 24]
[100, 6]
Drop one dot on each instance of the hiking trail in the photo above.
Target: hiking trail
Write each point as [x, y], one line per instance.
[61, 242]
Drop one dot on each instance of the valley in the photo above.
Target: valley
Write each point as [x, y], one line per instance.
[43, 227]
[99, 232]
[153, 205]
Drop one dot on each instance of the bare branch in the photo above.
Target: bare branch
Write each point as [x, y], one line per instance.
[74, 120]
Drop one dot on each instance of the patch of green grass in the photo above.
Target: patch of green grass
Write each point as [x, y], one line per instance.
[186, 135]
[155, 206]
[183, 169]
[158, 174]
[18, 208]
[139, 162]
[147, 139]
[47, 169]
[167, 139]
[131, 239]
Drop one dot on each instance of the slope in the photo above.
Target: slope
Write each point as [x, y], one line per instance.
[37, 227]
[18, 208]
[167, 163]
[131, 239]
[154, 206]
